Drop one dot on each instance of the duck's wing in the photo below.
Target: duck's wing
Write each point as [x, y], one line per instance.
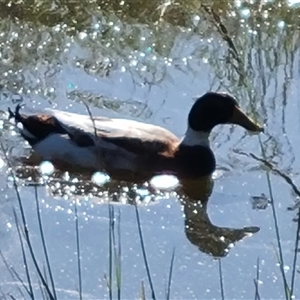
[103, 132]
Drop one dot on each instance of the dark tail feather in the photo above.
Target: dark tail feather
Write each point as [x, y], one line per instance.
[11, 114]
[20, 119]
[16, 114]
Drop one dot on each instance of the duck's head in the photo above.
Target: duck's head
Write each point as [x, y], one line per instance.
[213, 109]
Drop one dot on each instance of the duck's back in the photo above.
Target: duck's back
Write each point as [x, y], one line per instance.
[121, 143]
[120, 130]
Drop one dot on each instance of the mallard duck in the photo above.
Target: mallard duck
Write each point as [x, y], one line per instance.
[129, 148]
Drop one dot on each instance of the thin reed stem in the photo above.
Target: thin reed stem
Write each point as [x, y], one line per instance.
[256, 281]
[118, 256]
[44, 241]
[221, 280]
[25, 262]
[281, 261]
[295, 254]
[78, 250]
[14, 275]
[144, 251]
[170, 275]
[110, 240]
[142, 292]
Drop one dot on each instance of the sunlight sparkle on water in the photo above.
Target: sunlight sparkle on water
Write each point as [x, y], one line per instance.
[196, 20]
[245, 12]
[46, 168]
[217, 174]
[82, 35]
[100, 178]
[144, 194]
[133, 63]
[1, 163]
[238, 3]
[286, 268]
[281, 24]
[96, 26]
[13, 133]
[49, 91]
[57, 28]
[164, 182]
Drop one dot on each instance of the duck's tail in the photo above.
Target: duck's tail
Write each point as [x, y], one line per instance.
[16, 114]
[24, 130]
[35, 127]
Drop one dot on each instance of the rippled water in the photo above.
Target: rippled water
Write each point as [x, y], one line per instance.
[148, 60]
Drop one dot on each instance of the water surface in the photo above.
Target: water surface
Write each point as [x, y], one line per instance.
[148, 61]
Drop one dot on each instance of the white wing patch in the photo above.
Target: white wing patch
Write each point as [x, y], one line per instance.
[58, 146]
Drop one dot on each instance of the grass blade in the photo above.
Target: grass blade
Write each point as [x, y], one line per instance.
[14, 274]
[42, 290]
[221, 280]
[170, 275]
[289, 181]
[118, 253]
[31, 294]
[144, 251]
[142, 292]
[38, 211]
[256, 281]
[78, 250]
[295, 254]
[281, 261]
[110, 232]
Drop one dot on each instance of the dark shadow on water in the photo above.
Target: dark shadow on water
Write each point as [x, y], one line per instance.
[209, 238]
[193, 195]
[200, 231]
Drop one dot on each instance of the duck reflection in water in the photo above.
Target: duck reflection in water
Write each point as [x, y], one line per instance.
[199, 230]
[193, 195]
